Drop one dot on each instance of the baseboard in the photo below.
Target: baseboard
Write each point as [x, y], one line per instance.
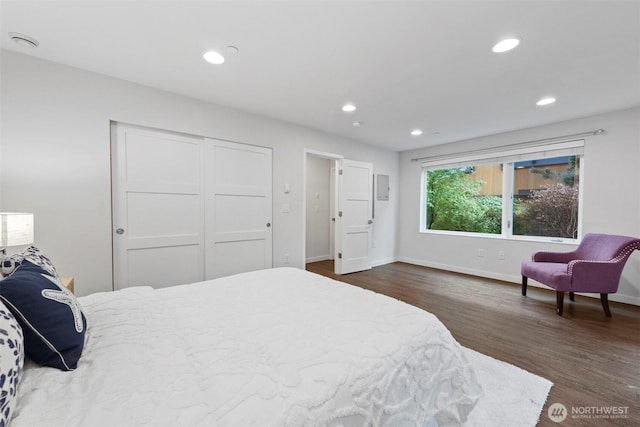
[383, 262]
[376, 263]
[463, 270]
[625, 299]
[317, 258]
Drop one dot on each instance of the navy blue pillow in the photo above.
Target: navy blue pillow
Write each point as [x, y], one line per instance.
[50, 316]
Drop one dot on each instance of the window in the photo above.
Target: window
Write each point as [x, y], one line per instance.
[465, 199]
[524, 193]
[546, 197]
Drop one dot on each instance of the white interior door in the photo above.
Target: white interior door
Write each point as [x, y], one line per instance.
[354, 220]
[157, 202]
[238, 208]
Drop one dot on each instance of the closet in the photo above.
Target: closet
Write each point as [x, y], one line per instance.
[187, 208]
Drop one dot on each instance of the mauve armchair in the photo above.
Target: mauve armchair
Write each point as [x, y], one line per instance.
[595, 266]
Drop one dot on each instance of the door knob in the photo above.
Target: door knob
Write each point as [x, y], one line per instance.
[370, 221]
[268, 224]
[120, 231]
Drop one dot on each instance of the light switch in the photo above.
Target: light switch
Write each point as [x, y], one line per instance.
[287, 188]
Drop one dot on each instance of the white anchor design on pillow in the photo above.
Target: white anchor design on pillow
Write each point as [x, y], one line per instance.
[64, 296]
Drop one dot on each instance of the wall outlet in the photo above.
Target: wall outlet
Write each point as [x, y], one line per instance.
[501, 255]
[285, 258]
[480, 253]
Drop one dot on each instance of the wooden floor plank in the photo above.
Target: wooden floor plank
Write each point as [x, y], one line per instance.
[593, 361]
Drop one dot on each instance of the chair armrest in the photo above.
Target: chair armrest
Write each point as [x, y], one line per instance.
[561, 257]
[595, 276]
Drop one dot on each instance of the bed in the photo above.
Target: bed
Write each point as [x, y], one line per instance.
[278, 347]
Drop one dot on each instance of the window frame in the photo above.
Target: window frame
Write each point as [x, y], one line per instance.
[507, 159]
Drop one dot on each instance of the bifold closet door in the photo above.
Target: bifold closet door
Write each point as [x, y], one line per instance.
[238, 223]
[158, 207]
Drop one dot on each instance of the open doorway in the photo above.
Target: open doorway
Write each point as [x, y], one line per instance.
[338, 211]
[320, 206]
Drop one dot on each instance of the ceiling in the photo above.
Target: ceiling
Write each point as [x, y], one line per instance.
[405, 65]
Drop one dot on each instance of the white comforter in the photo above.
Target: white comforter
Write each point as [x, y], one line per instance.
[279, 347]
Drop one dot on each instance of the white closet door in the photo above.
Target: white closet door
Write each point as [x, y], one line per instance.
[354, 221]
[238, 208]
[157, 190]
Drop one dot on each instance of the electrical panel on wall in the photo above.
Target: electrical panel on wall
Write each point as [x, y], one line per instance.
[382, 187]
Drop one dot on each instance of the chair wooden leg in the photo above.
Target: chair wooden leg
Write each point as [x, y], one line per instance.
[559, 302]
[572, 296]
[604, 298]
[524, 286]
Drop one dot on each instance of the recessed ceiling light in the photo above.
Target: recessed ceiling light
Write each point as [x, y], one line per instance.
[24, 40]
[506, 44]
[213, 57]
[356, 124]
[232, 49]
[546, 100]
[348, 108]
[416, 132]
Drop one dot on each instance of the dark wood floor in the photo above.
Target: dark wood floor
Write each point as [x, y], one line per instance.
[593, 361]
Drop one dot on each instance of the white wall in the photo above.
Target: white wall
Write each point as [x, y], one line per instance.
[611, 202]
[56, 160]
[318, 208]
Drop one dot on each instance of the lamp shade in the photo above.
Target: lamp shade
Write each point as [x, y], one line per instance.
[16, 229]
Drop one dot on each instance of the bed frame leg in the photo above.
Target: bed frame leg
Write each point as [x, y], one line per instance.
[524, 285]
